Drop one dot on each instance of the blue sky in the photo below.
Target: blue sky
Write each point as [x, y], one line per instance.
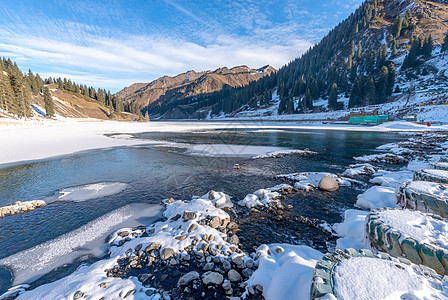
[112, 43]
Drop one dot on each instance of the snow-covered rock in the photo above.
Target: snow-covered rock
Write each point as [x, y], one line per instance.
[310, 180]
[284, 271]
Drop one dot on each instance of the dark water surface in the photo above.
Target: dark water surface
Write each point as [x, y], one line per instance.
[155, 174]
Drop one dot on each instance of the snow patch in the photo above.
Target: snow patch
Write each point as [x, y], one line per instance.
[352, 230]
[377, 197]
[366, 278]
[88, 192]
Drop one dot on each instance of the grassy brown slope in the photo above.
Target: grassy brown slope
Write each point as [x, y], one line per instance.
[71, 105]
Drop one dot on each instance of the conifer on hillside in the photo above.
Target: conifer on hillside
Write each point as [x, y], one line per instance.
[48, 101]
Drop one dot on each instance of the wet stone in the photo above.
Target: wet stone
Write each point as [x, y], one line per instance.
[213, 278]
[187, 278]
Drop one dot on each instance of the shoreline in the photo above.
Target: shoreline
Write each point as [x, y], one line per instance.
[64, 138]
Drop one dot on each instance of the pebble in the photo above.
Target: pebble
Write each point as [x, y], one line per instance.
[234, 240]
[153, 246]
[249, 263]
[279, 250]
[226, 285]
[259, 288]
[247, 273]
[168, 201]
[189, 215]
[209, 266]
[192, 227]
[234, 276]
[238, 261]
[213, 278]
[166, 253]
[232, 225]
[226, 265]
[215, 222]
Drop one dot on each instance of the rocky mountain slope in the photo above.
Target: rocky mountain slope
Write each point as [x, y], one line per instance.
[384, 51]
[170, 90]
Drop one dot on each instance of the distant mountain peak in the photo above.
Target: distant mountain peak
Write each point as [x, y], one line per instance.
[169, 89]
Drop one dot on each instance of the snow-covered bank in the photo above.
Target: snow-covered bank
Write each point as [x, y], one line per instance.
[86, 240]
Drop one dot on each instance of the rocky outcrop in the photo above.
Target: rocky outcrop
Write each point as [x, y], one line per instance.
[20, 207]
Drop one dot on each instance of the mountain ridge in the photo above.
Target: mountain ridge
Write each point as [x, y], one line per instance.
[167, 89]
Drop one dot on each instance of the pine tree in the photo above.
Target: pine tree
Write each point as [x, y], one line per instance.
[390, 78]
[370, 92]
[333, 96]
[48, 101]
[307, 101]
[382, 85]
[396, 27]
[355, 94]
[290, 107]
[427, 46]
[445, 43]
[7, 100]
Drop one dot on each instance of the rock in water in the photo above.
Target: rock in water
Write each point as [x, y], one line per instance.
[328, 184]
[187, 278]
[213, 278]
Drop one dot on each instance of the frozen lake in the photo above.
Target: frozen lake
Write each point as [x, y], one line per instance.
[179, 165]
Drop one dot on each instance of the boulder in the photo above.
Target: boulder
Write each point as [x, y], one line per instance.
[328, 184]
[187, 278]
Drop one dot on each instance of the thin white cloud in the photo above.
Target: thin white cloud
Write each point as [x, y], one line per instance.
[105, 56]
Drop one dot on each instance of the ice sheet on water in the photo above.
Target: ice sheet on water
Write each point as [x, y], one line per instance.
[89, 239]
[88, 192]
[228, 150]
